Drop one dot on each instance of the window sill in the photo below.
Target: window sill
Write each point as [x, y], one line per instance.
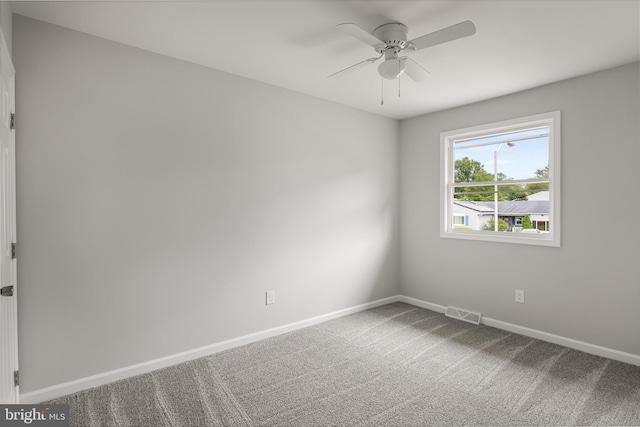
[504, 237]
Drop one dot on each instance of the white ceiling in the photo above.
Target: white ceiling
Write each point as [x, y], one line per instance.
[294, 44]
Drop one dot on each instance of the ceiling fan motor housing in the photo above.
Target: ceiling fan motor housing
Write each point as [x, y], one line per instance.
[394, 35]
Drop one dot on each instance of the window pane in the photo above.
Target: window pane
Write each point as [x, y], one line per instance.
[504, 177]
[514, 214]
[520, 155]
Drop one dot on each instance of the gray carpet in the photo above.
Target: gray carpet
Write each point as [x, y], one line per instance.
[395, 365]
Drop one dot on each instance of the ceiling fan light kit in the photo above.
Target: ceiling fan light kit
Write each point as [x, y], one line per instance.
[392, 68]
[389, 40]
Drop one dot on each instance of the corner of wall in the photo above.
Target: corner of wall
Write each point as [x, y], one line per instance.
[6, 24]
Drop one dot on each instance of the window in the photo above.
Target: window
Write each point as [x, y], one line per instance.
[458, 219]
[508, 173]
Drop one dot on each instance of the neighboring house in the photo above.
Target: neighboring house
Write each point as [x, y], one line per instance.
[514, 210]
[471, 215]
[540, 195]
[540, 220]
[475, 215]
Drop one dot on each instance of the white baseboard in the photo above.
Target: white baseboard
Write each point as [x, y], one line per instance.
[80, 384]
[598, 350]
[609, 353]
[424, 304]
[163, 362]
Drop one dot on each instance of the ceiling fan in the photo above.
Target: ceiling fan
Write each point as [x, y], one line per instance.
[389, 40]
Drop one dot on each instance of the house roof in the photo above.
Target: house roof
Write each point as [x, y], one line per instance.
[512, 207]
[476, 206]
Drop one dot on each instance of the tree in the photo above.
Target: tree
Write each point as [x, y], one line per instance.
[536, 187]
[526, 222]
[511, 191]
[543, 173]
[502, 225]
[469, 170]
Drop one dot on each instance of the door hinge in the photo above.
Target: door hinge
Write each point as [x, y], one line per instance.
[12, 124]
[16, 378]
[13, 250]
[6, 291]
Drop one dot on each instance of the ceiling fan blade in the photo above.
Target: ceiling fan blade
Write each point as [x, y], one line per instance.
[414, 70]
[454, 32]
[354, 31]
[354, 67]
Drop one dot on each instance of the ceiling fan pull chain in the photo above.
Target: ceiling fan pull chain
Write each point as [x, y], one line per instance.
[399, 77]
[382, 91]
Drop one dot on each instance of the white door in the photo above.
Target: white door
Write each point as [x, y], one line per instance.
[8, 297]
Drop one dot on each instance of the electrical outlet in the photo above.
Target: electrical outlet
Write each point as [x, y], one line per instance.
[270, 297]
[520, 296]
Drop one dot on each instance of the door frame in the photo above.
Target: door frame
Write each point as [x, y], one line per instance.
[9, 379]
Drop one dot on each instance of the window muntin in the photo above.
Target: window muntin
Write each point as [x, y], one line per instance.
[507, 171]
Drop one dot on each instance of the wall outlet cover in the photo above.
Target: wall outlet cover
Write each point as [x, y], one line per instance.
[270, 297]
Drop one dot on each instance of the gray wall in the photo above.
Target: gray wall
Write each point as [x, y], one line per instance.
[589, 288]
[6, 22]
[158, 201]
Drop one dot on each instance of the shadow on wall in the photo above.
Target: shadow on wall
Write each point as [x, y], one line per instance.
[335, 239]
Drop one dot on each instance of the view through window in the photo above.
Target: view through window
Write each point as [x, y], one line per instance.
[501, 181]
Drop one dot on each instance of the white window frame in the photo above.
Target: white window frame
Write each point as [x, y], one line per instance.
[447, 141]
